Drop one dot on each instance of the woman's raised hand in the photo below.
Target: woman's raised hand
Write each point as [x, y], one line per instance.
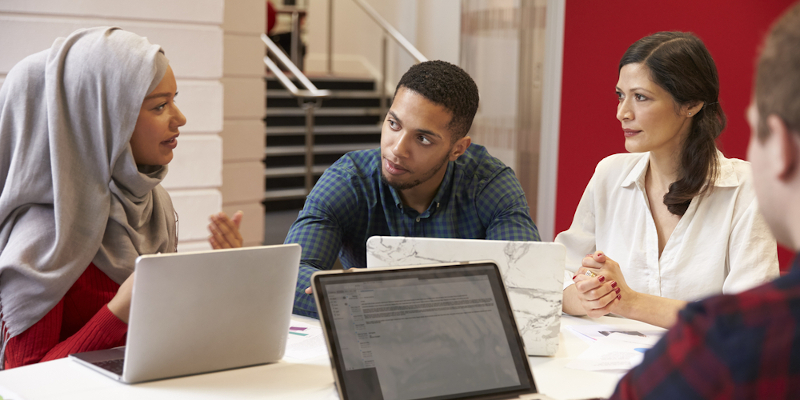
[225, 231]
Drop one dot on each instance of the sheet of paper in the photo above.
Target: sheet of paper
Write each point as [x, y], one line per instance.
[616, 351]
[305, 342]
[590, 333]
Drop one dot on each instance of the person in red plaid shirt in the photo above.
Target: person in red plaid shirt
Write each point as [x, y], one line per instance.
[747, 345]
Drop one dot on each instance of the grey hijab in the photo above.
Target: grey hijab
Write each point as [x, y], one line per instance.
[71, 191]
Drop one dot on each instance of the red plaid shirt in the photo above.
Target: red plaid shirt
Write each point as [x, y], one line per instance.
[744, 346]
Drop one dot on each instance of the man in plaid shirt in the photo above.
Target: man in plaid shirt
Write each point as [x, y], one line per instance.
[746, 346]
[426, 180]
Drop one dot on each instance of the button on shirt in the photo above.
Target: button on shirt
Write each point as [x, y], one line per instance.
[479, 198]
[721, 244]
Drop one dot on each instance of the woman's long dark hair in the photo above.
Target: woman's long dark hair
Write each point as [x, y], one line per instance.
[680, 63]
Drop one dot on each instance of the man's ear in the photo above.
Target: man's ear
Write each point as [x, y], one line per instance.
[460, 147]
[787, 147]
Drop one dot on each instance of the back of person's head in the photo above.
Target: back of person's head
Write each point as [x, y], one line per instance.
[447, 85]
[777, 87]
[680, 63]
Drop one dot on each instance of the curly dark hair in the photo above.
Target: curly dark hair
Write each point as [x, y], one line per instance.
[447, 85]
[680, 63]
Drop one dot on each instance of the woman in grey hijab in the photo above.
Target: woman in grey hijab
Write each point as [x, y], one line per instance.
[86, 130]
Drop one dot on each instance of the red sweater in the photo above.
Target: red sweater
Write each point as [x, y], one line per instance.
[81, 321]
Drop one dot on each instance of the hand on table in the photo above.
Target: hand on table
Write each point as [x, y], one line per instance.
[225, 231]
[120, 305]
[598, 294]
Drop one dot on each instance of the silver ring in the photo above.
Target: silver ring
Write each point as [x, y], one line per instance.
[590, 274]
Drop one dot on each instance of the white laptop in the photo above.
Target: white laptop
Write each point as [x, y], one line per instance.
[204, 311]
[533, 273]
[424, 332]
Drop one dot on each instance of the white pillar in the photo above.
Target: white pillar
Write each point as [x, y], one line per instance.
[243, 131]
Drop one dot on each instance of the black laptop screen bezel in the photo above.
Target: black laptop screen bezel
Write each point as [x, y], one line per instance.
[320, 281]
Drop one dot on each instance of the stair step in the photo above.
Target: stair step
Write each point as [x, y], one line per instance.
[323, 112]
[320, 149]
[284, 194]
[340, 94]
[295, 160]
[331, 102]
[300, 140]
[325, 130]
[340, 99]
[351, 114]
[282, 172]
[328, 83]
[322, 120]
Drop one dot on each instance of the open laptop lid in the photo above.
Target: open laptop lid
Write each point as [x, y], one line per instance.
[206, 311]
[427, 332]
[533, 273]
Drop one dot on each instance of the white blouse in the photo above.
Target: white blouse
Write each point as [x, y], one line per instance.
[721, 244]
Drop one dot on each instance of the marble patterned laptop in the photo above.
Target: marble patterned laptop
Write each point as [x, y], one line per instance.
[533, 273]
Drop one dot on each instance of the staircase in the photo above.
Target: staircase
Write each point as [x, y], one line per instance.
[346, 121]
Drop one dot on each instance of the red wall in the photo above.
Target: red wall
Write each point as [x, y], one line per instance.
[597, 34]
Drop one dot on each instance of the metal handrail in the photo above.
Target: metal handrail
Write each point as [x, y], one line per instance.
[311, 92]
[304, 96]
[394, 33]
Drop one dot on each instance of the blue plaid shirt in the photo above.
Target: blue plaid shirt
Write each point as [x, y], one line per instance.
[479, 198]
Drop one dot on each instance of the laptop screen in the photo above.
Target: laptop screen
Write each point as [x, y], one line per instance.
[422, 333]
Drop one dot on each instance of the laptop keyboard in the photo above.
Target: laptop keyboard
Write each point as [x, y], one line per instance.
[114, 366]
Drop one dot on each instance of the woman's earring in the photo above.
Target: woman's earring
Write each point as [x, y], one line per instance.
[690, 114]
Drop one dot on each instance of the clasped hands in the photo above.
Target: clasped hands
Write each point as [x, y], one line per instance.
[600, 286]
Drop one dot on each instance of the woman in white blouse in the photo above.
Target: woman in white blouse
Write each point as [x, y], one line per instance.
[673, 220]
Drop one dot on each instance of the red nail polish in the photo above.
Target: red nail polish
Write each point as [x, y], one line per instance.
[619, 297]
[601, 278]
[573, 277]
[617, 290]
[613, 284]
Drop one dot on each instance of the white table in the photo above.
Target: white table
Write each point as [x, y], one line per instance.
[312, 379]
[555, 380]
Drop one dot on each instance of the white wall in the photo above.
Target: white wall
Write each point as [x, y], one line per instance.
[432, 26]
[438, 29]
[190, 33]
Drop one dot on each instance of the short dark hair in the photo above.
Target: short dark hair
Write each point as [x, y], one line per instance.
[777, 85]
[448, 86]
[680, 63]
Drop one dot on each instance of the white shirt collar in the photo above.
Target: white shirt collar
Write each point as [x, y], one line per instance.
[726, 176]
